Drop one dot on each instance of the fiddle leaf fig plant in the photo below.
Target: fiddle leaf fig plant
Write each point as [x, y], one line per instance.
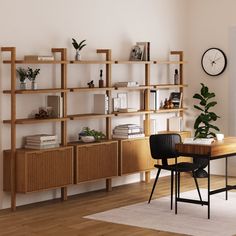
[203, 124]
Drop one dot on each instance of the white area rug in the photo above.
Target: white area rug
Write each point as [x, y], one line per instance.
[191, 218]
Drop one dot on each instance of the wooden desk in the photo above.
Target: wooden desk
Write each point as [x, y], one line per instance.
[217, 150]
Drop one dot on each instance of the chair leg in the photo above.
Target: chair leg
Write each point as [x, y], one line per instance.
[172, 183]
[154, 185]
[195, 179]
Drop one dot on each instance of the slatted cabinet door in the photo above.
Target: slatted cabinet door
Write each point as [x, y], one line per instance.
[40, 169]
[96, 161]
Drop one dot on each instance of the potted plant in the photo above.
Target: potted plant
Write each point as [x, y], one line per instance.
[22, 73]
[203, 124]
[32, 74]
[90, 135]
[78, 47]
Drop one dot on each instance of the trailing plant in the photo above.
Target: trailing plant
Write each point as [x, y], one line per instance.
[203, 127]
[86, 131]
[78, 46]
[22, 74]
[32, 74]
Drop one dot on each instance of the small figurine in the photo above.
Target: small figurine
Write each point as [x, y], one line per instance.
[176, 77]
[91, 84]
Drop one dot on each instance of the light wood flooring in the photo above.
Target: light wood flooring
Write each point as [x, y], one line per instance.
[66, 218]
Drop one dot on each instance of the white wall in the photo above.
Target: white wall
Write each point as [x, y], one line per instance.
[34, 27]
[209, 23]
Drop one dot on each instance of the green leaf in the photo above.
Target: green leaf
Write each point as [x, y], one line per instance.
[75, 44]
[199, 108]
[198, 96]
[204, 90]
[80, 44]
[210, 95]
[211, 104]
[214, 127]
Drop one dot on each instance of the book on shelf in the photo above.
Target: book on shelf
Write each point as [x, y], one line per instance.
[203, 141]
[154, 100]
[101, 104]
[128, 136]
[175, 123]
[127, 84]
[176, 98]
[41, 137]
[146, 52]
[38, 58]
[127, 109]
[127, 131]
[41, 143]
[29, 146]
[55, 102]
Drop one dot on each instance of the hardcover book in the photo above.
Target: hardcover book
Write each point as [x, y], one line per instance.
[55, 102]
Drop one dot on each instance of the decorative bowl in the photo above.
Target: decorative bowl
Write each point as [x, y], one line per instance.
[87, 139]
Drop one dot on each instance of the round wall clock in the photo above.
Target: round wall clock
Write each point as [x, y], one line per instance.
[214, 61]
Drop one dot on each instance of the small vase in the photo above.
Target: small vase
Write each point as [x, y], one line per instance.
[33, 85]
[23, 85]
[77, 55]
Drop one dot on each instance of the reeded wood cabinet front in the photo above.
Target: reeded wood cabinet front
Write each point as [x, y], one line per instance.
[40, 169]
[135, 156]
[96, 161]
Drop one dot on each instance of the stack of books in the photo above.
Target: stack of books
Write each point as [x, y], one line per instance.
[128, 131]
[127, 84]
[41, 141]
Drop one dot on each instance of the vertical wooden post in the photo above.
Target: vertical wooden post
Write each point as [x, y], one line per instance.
[12, 51]
[107, 52]
[63, 56]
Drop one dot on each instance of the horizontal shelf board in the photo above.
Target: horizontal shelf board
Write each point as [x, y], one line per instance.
[102, 141]
[132, 62]
[89, 116]
[34, 121]
[35, 62]
[86, 89]
[132, 113]
[169, 86]
[30, 91]
[141, 87]
[170, 110]
[91, 62]
[169, 62]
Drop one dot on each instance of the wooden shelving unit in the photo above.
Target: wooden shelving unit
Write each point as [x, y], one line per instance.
[24, 169]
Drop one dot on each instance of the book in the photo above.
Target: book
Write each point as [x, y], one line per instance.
[41, 146]
[41, 137]
[38, 58]
[55, 102]
[127, 84]
[203, 141]
[128, 126]
[154, 100]
[176, 98]
[100, 104]
[37, 143]
[128, 136]
[175, 123]
[127, 110]
[146, 51]
[127, 131]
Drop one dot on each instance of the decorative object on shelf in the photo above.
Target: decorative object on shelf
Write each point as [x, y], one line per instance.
[136, 53]
[146, 51]
[88, 135]
[168, 104]
[101, 84]
[56, 103]
[214, 61]
[176, 98]
[90, 84]
[32, 74]
[123, 100]
[22, 73]
[176, 77]
[115, 103]
[203, 127]
[128, 131]
[43, 113]
[78, 47]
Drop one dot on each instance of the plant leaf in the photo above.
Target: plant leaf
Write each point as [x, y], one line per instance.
[197, 107]
[211, 104]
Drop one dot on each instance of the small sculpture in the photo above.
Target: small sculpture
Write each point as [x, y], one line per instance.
[91, 84]
[168, 104]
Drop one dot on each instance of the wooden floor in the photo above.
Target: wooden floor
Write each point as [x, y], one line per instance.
[66, 218]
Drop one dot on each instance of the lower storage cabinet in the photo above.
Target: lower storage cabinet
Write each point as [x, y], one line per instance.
[40, 169]
[96, 161]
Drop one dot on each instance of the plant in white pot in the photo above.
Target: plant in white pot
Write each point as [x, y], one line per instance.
[88, 135]
[78, 47]
[32, 74]
[22, 73]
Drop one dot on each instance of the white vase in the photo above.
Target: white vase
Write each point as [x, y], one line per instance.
[77, 55]
[33, 85]
[23, 85]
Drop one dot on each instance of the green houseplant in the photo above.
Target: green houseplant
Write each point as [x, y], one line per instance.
[22, 73]
[78, 47]
[203, 124]
[32, 74]
[90, 135]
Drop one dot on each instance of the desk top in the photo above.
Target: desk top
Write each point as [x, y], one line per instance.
[214, 150]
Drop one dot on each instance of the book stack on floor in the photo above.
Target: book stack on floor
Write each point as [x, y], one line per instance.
[41, 141]
[128, 131]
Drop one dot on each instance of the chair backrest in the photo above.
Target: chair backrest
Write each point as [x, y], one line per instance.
[162, 146]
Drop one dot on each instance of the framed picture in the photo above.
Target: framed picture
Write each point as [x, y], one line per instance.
[137, 53]
[116, 104]
[123, 100]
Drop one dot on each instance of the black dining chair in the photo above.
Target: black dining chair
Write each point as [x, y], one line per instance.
[162, 148]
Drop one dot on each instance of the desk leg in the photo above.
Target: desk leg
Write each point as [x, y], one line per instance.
[209, 188]
[226, 177]
[176, 186]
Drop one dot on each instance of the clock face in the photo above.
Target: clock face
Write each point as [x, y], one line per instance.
[214, 61]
